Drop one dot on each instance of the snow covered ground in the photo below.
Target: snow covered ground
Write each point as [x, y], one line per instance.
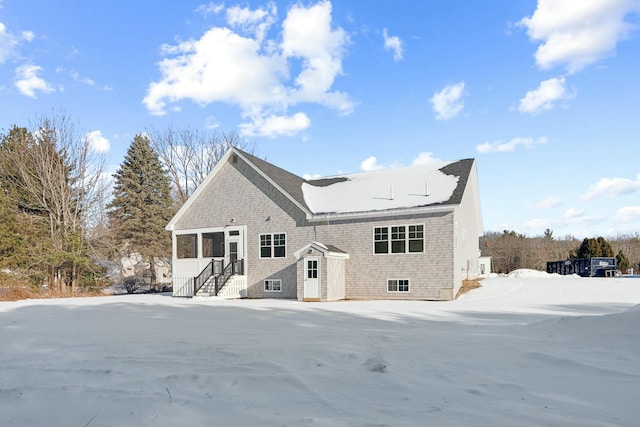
[527, 350]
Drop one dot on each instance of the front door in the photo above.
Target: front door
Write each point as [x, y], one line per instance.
[312, 279]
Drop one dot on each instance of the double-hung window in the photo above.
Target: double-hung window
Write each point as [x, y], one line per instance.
[398, 239]
[273, 245]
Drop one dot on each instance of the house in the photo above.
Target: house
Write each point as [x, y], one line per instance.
[485, 266]
[252, 229]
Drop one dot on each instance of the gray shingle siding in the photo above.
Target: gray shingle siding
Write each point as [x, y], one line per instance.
[239, 191]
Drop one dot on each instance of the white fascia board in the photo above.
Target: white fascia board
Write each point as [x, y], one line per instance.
[171, 225]
[379, 214]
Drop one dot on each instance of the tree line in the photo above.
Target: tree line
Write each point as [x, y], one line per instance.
[511, 250]
[61, 216]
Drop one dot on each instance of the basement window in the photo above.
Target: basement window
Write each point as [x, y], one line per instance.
[273, 285]
[398, 285]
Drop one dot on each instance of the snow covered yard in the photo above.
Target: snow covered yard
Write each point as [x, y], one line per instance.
[527, 350]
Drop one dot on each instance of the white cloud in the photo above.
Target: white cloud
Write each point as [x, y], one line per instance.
[273, 126]
[7, 43]
[611, 187]
[28, 82]
[628, 214]
[370, 163]
[309, 176]
[394, 44]
[447, 103]
[76, 76]
[545, 96]
[424, 158]
[246, 69]
[28, 36]
[573, 213]
[206, 9]
[577, 33]
[97, 142]
[511, 145]
[548, 203]
[256, 22]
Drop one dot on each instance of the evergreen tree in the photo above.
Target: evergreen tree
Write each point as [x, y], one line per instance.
[623, 261]
[142, 204]
[45, 183]
[592, 247]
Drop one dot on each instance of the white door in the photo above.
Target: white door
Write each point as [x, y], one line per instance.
[312, 278]
[234, 247]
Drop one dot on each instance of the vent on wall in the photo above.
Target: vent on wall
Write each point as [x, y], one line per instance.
[234, 159]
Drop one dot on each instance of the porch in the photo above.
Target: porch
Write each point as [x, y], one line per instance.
[215, 279]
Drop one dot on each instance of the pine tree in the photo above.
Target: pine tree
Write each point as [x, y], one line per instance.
[623, 261]
[592, 247]
[142, 204]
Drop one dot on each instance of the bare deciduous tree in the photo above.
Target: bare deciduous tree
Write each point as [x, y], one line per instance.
[189, 155]
[56, 177]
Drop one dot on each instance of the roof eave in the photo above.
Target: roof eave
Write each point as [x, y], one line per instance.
[331, 216]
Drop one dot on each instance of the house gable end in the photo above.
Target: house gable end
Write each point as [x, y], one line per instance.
[283, 181]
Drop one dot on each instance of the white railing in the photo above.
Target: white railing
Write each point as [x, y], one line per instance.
[183, 287]
[236, 287]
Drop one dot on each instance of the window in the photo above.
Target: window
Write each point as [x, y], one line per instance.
[416, 238]
[213, 245]
[398, 285]
[398, 239]
[381, 240]
[278, 245]
[312, 269]
[265, 246]
[187, 245]
[273, 245]
[273, 285]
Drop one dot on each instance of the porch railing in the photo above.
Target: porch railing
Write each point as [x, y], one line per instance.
[216, 269]
[234, 267]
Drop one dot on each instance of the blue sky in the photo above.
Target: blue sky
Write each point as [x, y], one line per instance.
[544, 95]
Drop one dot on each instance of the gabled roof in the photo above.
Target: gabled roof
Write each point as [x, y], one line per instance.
[430, 186]
[329, 251]
[287, 181]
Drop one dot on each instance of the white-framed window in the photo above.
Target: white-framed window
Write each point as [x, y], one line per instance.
[398, 285]
[398, 239]
[273, 245]
[273, 285]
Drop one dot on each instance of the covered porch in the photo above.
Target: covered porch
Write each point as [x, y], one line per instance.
[210, 262]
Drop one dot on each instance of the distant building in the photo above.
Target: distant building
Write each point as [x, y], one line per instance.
[485, 266]
[585, 267]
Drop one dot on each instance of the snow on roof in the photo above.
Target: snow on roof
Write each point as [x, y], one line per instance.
[382, 189]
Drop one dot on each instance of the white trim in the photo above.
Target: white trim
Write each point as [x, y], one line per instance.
[328, 217]
[407, 225]
[399, 291]
[264, 284]
[286, 240]
[171, 225]
[322, 248]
